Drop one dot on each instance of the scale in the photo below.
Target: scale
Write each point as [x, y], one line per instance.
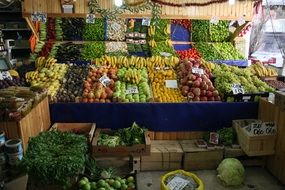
[5, 63]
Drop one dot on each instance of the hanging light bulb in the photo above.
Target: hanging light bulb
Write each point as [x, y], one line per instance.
[118, 3]
[232, 2]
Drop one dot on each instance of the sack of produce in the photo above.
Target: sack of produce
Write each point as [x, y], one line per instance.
[182, 180]
[116, 30]
[231, 172]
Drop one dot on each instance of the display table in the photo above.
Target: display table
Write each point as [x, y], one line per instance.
[165, 117]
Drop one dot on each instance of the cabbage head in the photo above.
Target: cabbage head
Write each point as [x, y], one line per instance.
[231, 172]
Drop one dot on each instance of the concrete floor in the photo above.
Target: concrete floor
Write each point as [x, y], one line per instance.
[256, 179]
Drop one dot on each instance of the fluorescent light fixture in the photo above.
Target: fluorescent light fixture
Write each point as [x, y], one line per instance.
[118, 3]
[232, 2]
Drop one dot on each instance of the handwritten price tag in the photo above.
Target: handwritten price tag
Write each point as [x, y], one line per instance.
[171, 84]
[237, 89]
[241, 21]
[105, 80]
[214, 20]
[90, 18]
[177, 183]
[5, 75]
[146, 21]
[132, 90]
[198, 71]
[41, 17]
[165, 54]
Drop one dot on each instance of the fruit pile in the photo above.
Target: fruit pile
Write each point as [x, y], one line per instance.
[72, 87]
[190, 53]
[161, 92]
[277, 84]
[133, 86]
[228, 51]
[68, 52]
[260, 70]
[5, 83]
[195, 83]
[227, 76]
[108, 184]
[95, 89]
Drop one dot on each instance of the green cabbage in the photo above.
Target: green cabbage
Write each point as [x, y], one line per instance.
[231, 172]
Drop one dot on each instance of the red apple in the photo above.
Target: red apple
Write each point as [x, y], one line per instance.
[197, 91]
[204, 98]
[209, 94]
[196, 99]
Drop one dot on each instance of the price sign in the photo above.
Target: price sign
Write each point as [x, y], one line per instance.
[41, 17]
[142, 41]
[165, 54]
[261, 128]
[214, 138]
[241, 21]
[146, 21]
[5, 75]
[142, 35]
[90, 18]
[132, 90]
[130, 41]
[136, 41]
[116, 26]
[105, 80]
[214, 20]
[136, 35]
[237, 89]
[177, 183]
[197, 71]
[171, 84]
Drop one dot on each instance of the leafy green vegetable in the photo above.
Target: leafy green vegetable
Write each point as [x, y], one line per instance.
[200, 30]
[226, 136]
[132, 135]
[94, 31]
[55, 157]
[109, 140]
[93, 50]
[231, 172]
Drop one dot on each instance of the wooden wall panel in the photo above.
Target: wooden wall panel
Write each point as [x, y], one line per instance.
[224, 11]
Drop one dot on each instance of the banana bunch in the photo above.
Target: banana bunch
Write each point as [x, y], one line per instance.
[167, 29]
[50, 62]
[14, 73]
[152, 43]
[208, 65]
[261, 71]
[43, 62]
[133, 76]
[151, 30]
[168, 43]
[32, 75]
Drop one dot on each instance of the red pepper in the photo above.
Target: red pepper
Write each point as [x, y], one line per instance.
[190, 53]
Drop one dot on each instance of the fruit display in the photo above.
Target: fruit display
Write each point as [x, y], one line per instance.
[162, 93]
[53, 50]
[92, 50]
[94, 31]
[261, 71]
[183, 22]
[116, 48]
[51, 29]
[44, 62]
[116, 30]
[190, 53]
[16, 81]
[38, 49]
[43, 31]
[68, 52]
[227, 76]
[132, 86]
[109, 183]
[200, 31]
[72, 85]
[208, 65]
[58, 29]
[276, 84]
[195, 83]
[72, 28]
[219, 32]
[207, 51]
[45, 51]
[228, 51]
[95, 89]
[160, 30]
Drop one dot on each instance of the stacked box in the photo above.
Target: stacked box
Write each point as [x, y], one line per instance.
[196, 158]
[164, 155]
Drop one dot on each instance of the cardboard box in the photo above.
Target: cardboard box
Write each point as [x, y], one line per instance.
[160, 166]
[280, 100]
[164, 151]
[196, 158]
[134, 150]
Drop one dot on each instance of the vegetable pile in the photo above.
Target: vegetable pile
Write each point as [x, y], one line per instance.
[55, 157]
[162, 47]
[228, 51]
[116, 30]
[219, 32]
[126, 137]
[162, 30]
[93, 50]
[73, 28]
[207, 51]
[200, 30]
[94, 31]
[190, 53]
[68, 52]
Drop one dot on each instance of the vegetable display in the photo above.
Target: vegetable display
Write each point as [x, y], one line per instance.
[200, 30]
[162, 47]
[116, 48]
[226, 136]
[93, 50]
[94, 31]
[160, 30]
[219, 32]
[190, 53]
[228, 51]
[116, 30]
[55, 157]
[207, 51]
[68, 52]
[73, 28]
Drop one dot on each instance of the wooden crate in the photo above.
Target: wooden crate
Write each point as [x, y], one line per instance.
[135, 150]
[185, 135]
[85, 128]
[196, 158]
[160, 166]
[31, 125]
[280, 100]
[261, 145]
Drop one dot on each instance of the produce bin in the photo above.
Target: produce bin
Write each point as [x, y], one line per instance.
[134, 150]
[260, 145]
[87, 129]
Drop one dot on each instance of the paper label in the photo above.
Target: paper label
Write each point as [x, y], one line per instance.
[197, 71]
[241, 21]
[136, 41]
[146, 21]
[259, 128]
[214, 138]
[142, 35]
[214, 20]
[165, 54]
[237, 89]
[130, 41]
[177, 183]
[171, 84]
[136, 35]
[130, 35]
[5, 75]
[90, 18]
[142, 41]
[132, 90]
[41, 17]
[105, 80]
[116, 26]
[232, 29]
